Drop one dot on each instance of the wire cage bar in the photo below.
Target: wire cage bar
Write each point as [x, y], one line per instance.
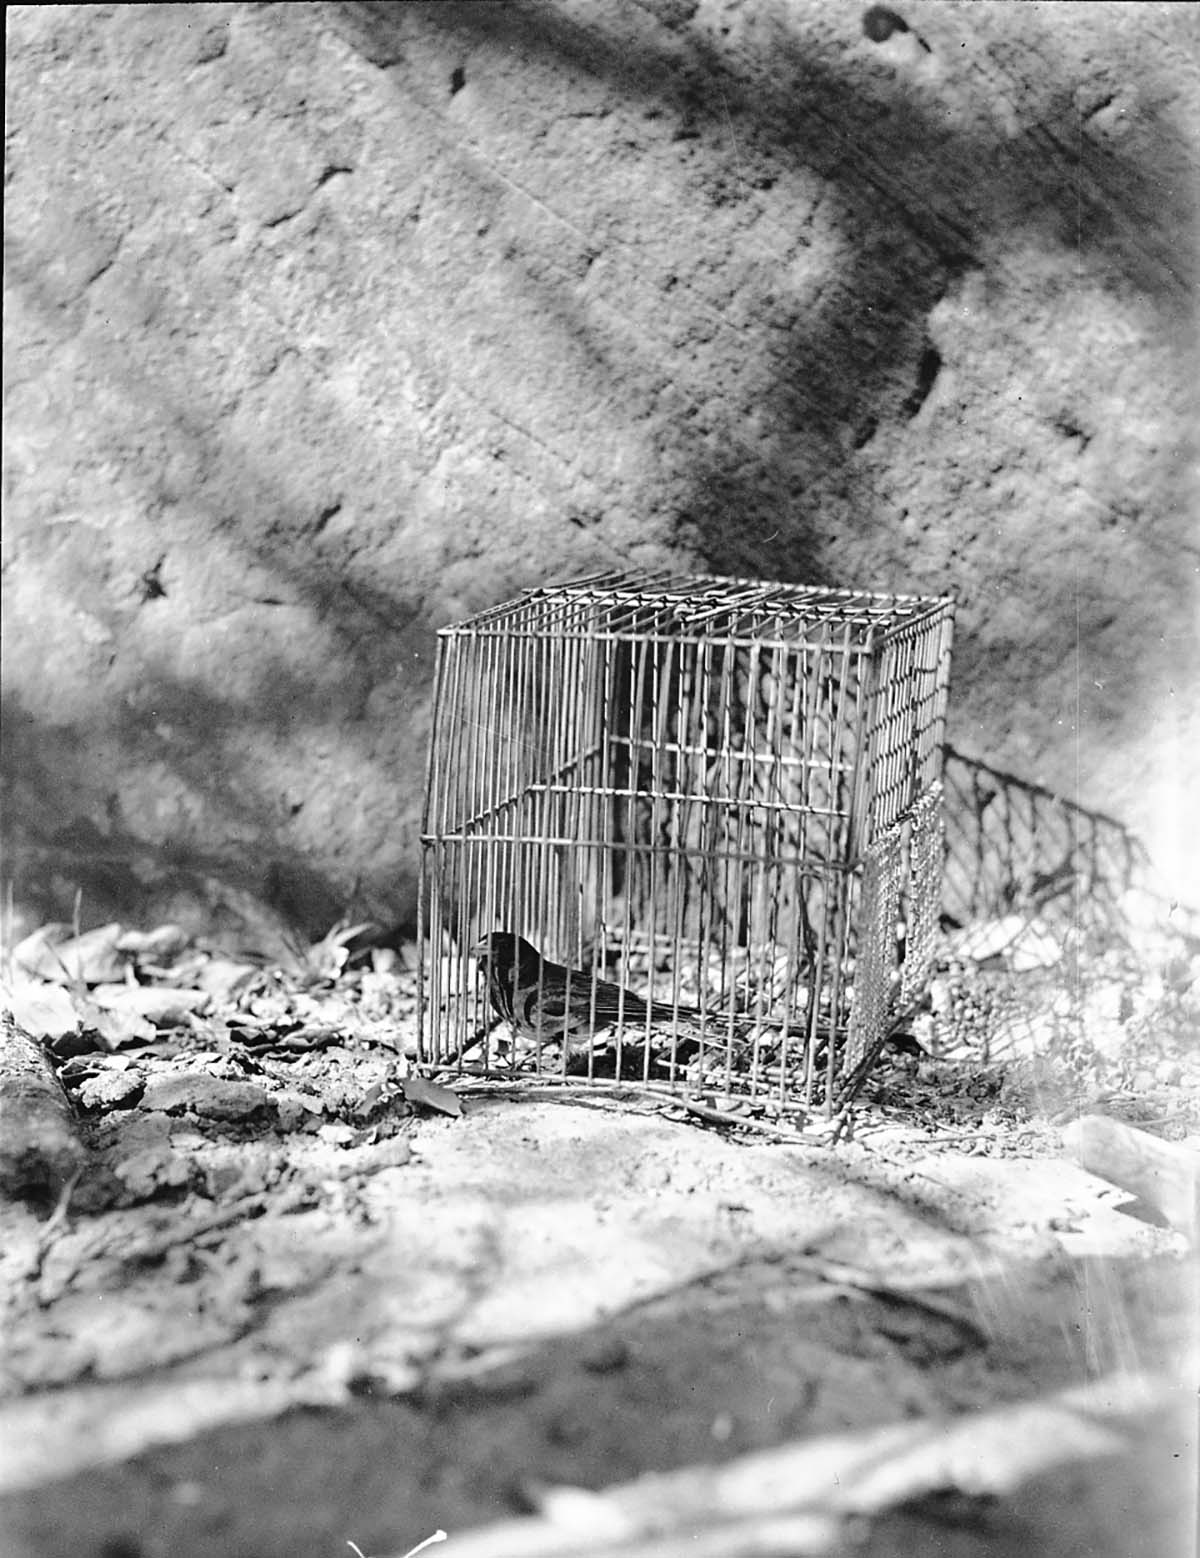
[720, 796]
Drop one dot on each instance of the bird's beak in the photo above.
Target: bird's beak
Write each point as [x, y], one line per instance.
[480, 949]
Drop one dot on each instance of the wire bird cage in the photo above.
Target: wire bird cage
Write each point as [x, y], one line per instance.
[722, 795]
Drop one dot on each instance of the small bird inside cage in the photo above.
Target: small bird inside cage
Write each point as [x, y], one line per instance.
[549, 1003]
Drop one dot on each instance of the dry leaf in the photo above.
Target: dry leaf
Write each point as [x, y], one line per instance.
[46, 1011]
[91, 958]
[157, 1004]
[118, 1028]
[418, 1091]
[222, 977]
[165, 941]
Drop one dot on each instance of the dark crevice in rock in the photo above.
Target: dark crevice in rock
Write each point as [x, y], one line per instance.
[150, 584]
[879, 23]
[1105, 102]
[927, 371]
[284, 216]
[1071, 430]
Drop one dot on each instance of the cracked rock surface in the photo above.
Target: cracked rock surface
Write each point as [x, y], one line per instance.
[328, 324]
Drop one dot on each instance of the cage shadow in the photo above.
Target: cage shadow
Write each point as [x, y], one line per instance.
[1017, 848]
[759, 1355]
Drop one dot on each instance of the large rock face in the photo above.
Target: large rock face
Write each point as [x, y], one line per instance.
[328, 324]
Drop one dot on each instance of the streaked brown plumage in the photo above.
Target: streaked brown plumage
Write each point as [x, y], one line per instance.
[547, 1002]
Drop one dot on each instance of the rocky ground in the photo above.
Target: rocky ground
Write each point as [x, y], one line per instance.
[300, 1296]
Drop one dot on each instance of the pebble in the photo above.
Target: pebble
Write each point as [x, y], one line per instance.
[215, 1097]
[111, 1090]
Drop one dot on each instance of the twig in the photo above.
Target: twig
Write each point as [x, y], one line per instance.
[7, 933]
[656, 1096]
[862, 1282]
[438, 1536]
[51, 1228]
[748, 1122]
[158, 1247]
[274, 1201]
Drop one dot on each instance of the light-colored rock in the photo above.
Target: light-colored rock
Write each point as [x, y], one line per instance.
[216, 1097]
[307, 360]
[110, 1090]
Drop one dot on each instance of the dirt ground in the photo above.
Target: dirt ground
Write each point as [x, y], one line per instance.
[294, 1304]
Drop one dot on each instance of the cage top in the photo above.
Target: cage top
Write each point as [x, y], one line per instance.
[708, 606]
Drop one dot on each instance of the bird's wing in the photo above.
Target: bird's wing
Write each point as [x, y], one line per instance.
[550, 1011]
[612, 1003]
[566, 1003]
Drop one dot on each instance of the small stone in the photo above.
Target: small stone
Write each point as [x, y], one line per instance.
[145, 1173]
[294, 1111]
[606, 1355]
[220, 977]
[111, 1090]
[214, 1097]
[223, 1178]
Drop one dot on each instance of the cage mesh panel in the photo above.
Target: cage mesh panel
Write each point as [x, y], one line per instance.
[926, 854]
[907, 719]
[876, 949]
[685, 785]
